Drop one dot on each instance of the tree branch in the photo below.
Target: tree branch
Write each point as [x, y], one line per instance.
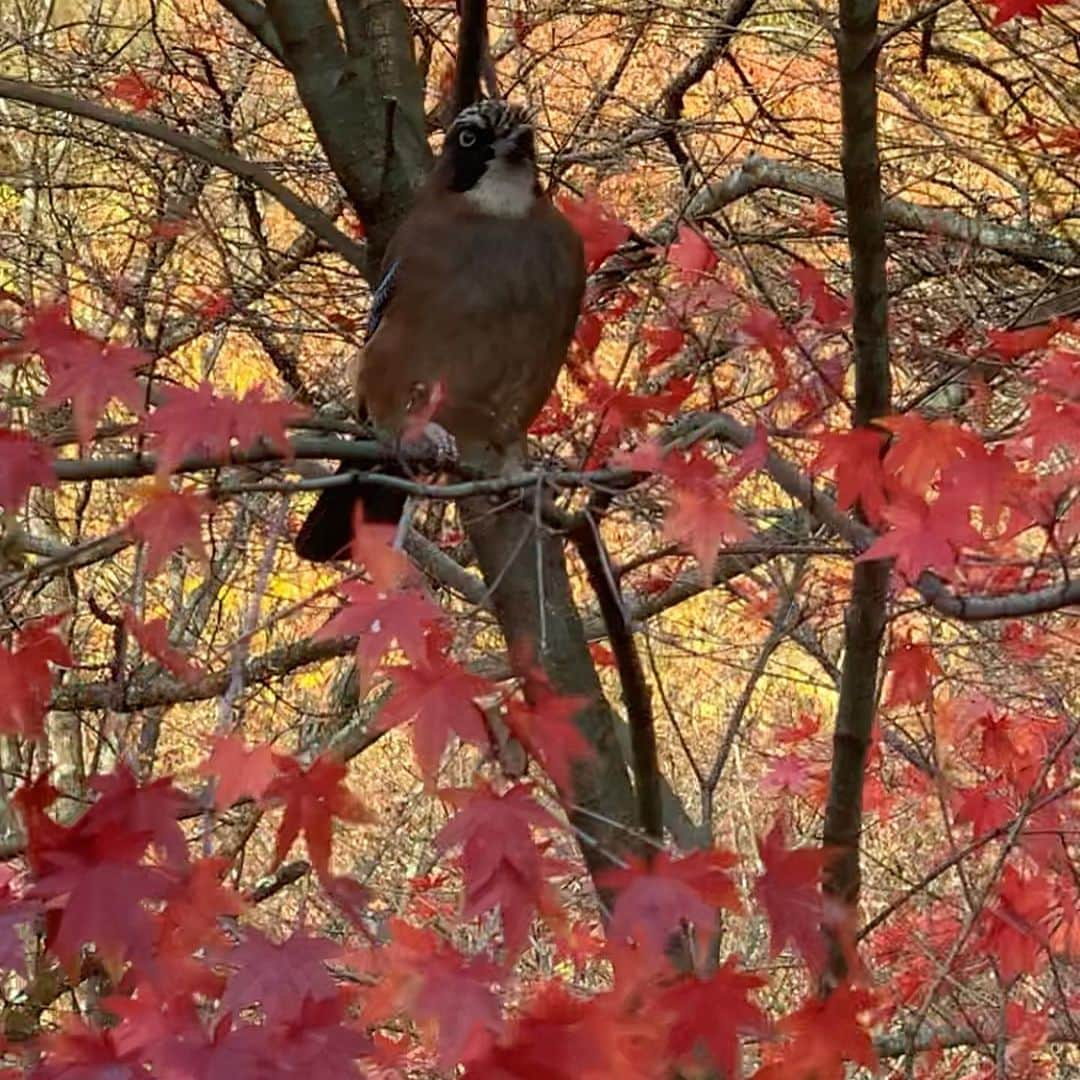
[760, 173]
[309, 216]
[937, 592]
[635, 690]
[253, 17]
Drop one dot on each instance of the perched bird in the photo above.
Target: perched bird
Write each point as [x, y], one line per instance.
[471, 319]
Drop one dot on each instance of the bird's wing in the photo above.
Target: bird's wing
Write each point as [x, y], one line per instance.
[384, 290]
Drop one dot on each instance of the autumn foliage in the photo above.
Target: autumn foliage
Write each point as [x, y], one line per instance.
[263, 819]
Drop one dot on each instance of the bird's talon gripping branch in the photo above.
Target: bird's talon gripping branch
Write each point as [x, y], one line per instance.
[443, 445]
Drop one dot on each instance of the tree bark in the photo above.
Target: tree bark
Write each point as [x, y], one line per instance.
[524, 567]
[365, 103]
[364, 96]
[864, 620]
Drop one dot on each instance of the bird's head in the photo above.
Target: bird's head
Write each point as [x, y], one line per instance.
[490, 158]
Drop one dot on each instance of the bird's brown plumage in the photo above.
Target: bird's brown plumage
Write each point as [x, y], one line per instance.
[484, 307]
[472, 319]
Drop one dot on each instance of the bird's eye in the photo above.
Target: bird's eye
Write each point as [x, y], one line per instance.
[467, 138]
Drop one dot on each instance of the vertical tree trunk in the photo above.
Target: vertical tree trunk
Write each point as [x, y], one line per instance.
[364, 96]
[524, 566]
[864, 620]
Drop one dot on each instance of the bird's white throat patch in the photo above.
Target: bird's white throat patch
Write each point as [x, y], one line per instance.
[505, 190]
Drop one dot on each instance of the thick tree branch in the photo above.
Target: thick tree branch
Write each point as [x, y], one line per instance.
[715, 48]
[760, 173]
[253, 17]
[365, 103]
[937, 592]
[472, 53]
[309, 216]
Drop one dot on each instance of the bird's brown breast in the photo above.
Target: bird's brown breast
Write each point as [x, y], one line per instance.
[484, 309]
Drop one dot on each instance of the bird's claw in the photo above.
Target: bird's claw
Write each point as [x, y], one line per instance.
[443, 444]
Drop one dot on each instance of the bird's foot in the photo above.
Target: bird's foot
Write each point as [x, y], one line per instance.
[443, 445]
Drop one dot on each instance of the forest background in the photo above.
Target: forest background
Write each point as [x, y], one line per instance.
[778, 778]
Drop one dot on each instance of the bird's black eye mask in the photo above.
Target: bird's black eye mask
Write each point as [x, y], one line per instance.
[470, 149]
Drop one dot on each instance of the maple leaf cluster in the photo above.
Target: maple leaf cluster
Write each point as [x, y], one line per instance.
[194, 986]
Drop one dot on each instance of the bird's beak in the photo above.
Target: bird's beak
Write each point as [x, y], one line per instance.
[516, 147]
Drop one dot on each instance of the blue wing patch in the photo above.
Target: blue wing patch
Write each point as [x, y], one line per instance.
[381, 297]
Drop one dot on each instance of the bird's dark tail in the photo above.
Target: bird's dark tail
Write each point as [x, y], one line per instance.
[327, 532]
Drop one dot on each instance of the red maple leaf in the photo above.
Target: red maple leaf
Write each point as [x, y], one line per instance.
[1014, 929]
[751, 457]
[1060, 372]
[704, 524]
[78, 1051]
[788, 773]
[242, 771]
[25, 463]
[923, 536]
[279, 977]
[1051, 423]
[212, 304]
[89, 373]
[134, 90]
[692, 255]
[823, 1034]
[806, 727]
[911, 666]
[380, 618]
[762, 329]
[600, 230]
[313, 797]
[153, 639]
[789, 891]
[713, 1013]
[921, 449]
[587, 337]
[826, 307]
[26, 676]
[985, 807]
[421, 974]
[169, 521]
[560, 1036]
[192, 1051]
[656, 899]
[440, 697]
[202, 424]
[320, 1043]
[544, 724]
[666, 341]
[373, 549]
[151, 810]
[856, 457]
[195, 423]
[1012, 344]
[258, 418]
[818, 218]
[989, 480]
[502, 865]
[102, 898]
[622, 410]
[1021, 9]
[192, 918]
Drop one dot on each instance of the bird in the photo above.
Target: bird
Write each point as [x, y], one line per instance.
[471, 318]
